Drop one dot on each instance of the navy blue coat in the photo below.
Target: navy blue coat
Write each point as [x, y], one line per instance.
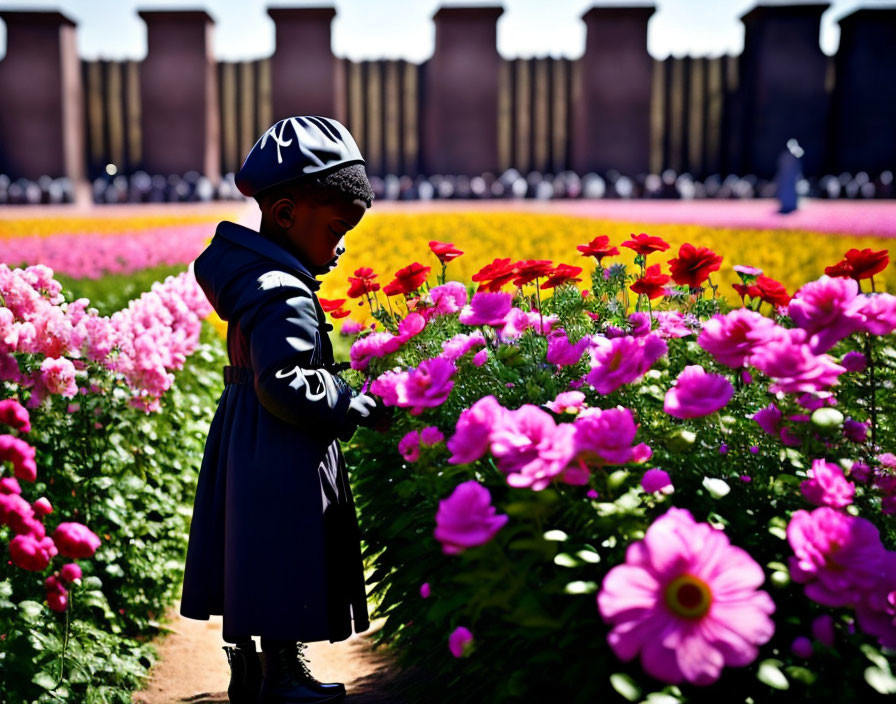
[274, 541]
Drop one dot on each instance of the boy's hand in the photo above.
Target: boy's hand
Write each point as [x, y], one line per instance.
[362, 405]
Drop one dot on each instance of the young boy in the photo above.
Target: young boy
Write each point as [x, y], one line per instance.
[274, 542]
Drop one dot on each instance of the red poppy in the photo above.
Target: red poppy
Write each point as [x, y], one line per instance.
[362, 283]
[339, 314]
[652, 283]
[841, 270]
[493, 276]
[742, 289]
[693, 265]
[645, 244]
[860, 264]
[330, 306]
[445, 251]
[532, 269]
[562, 274]
[407, 279]
[770, 291]
[598, 248]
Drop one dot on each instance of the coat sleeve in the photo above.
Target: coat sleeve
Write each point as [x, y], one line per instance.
[285, 352]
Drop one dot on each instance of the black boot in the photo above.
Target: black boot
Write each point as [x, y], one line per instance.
[287, 679]
[245, 673]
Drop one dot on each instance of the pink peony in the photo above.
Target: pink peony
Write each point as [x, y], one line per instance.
[16, 513]
[350, 327]
[657, 481]
[10, 485]
[427, 386]
[837, 556]
[793, 367]
[480, 358]
[697, 393]
[687, 601]
[605, 436]
[564, 353]
[467, 518]
[75, 540]
[671, 324]
[410, 326]
[567, 402]
[70, 572]
[828, 310]
[826, 486]
[448, 298]
[31, 553]
[486, 309]
[530, 448]
[769, 419]
[377, 344]
[457, 346]
[880, 313]
[13, 414]
[471, 436]
[460, 641]
[58, 377]
[431, 436]
[622, 360]
[731, 338]
[42, 506]
[876, 611]
[21, 455]
[409, 446]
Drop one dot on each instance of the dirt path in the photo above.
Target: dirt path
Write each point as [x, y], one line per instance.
[193, 668]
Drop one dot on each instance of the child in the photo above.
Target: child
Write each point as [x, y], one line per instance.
[274, 542]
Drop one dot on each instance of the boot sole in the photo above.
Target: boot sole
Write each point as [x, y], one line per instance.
[285, 700]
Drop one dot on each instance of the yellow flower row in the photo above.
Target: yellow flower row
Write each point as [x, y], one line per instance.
[106, 224]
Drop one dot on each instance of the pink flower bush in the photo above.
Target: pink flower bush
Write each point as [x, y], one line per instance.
[377, 344]
[426, 386]
[605, 436]
[31, 552]
[473, 431]
[697, 393]
[459, 641]
[828, 310]
[732, 338]
[687, 601]
[457, 346]
[826, 486]
[486, 309]
[564, 353]
[879, 311]
[467, 518]
[21, 455]
[75, 540]
[13, 414]
[622, 360]
[58, 377]
[567, 402]
[792, 365]
[448, 298]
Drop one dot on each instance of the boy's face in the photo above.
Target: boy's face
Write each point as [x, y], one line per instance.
[314, 229]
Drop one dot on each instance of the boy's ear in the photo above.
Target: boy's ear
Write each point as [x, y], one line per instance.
[283, 212]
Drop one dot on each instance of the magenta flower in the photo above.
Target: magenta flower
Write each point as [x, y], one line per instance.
[671, 324]
[467, 518]
[605, 436]
[486, 309]
[350, 327]
[564, 353]
[855, 430]
[425, 590]
[876, 611]
[828, 310]
[854, 362]
[427, 386]
[697, 393]
[640, 323]
[431, 436]
[480, 358]
[837, 556]
[860, 472]
[42, 507]
[460, 641]
[70, 572]
[656, 480]
[377, 344]
[75, 540]
[622, 360]
[567, 402]
[473, 430]
[13, 414]
[823, 629]
[31, 552]
[409, 446]
[58, 377]
[801, 647]
[732, 338]
[793, 367]
[530, 448]
[21, 455]
[457, 346]
[448, 298]
[687, 601]
[769, 419]
[410, 326]
[10, 485]
[826, 486]
[880, 313]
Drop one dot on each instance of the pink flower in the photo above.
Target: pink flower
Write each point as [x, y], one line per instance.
[70, 572]
[486, 309]
[697, 393]
[427, 386]
[480, 358]
[31, 553]
[837, 556]
[880, 313]
[769, 419]
[860, 472]
[530, 448]
[671, 324]
[854, 430]
[410, 327]
[350, 327]
[21, 455]
[409, 446]
[854, 362]
[731, 338]
[471, 435]
[448, 298]
[828, 310]
[377, 344]
[564, 353]
[793, 367]
[13, 414]
[9, 485]
[42, 506]
[826, 485]
[17, 513]
[640, 323]
[431, 436]
[460, 641]
[876, 611]
[467, 518]
[58, 377]
[801, 647]
[425, 590]
[687, 601]
[622, 360]
[656, 480]
[823, 630]
[75, 540]
[567, 402]
[457, 346]
[605, 436]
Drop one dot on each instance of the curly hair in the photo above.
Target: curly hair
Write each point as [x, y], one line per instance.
[349, 182]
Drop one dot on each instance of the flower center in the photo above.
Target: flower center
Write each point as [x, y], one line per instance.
[688, 596]
[615, 361]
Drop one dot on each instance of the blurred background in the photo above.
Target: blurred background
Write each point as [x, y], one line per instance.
[120, 102]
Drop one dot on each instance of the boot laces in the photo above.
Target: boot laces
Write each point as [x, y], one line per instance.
[300, 664]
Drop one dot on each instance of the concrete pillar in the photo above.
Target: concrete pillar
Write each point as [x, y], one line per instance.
[180, 118]
[863, 135]
[41, 98]
[303, 68]
[611, 112]
[460, 93]
[782, 72]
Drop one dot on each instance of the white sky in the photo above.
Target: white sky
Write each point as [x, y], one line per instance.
[370, 29]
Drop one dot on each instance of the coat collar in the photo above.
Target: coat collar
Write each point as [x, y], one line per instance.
[250, 239]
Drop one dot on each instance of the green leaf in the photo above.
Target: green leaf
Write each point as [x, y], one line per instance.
[556, 535]
[31, 610]
[881, 680]
[770, 674]
[717, 488]
[564, 559]
[45, 680]
[626, 686]
[580, 587]
[588, 556]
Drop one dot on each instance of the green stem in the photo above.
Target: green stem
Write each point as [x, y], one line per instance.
[64, 644]
[869, 354]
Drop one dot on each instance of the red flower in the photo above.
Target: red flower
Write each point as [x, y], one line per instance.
[645, 244]
[693, 265]
[860, 265]
[770, 291]
[445, 251]
[841, 269]
[562, 274]
[742, 289]
[336, 314]
[362, 283]
[532, 269]
[652, 283]
[407, 280]
[330, 306]
[493, 276]
[598, 248]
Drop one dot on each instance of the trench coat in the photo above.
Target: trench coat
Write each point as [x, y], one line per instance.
[274, 544]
